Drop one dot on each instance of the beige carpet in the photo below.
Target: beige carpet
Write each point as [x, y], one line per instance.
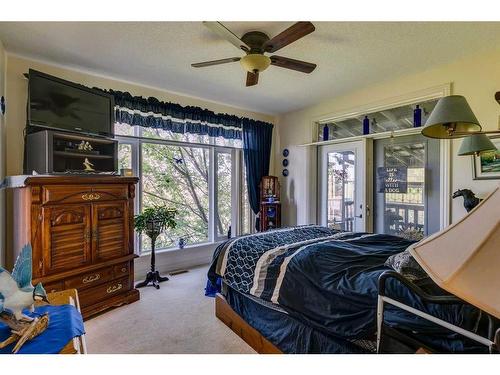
[178, 318]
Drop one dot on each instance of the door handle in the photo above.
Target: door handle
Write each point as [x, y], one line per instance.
[360, 216]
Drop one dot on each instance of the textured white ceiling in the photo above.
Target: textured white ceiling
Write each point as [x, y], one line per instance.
[349, 55]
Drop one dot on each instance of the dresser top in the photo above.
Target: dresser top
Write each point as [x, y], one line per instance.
[28, 180]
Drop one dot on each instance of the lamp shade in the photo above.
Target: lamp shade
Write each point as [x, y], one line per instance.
[451, 115]
[464, 258]
[476, 143]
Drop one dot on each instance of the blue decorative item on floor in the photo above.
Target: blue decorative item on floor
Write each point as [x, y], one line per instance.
[181, 243]
[417, 117]
[326, 132]
[366, 125]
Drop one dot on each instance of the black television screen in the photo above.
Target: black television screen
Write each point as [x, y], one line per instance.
[60, 104]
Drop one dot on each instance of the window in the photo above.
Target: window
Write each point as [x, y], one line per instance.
[382, 121]
[177, 177]
[124, 155]
[247, 216]
[224, 190]
[198, 175]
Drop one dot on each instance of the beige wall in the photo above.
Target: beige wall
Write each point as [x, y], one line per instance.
[477, 78]
[2, 158]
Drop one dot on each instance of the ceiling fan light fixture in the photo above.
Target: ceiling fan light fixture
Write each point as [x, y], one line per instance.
[255, 62]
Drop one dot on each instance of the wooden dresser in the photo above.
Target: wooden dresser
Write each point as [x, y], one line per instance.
[81, 231]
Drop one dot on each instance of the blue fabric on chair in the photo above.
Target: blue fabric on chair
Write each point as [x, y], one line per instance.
[65, 323]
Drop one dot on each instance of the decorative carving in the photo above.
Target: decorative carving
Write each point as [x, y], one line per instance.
[110, 213]
[66, 217]
[131, 191]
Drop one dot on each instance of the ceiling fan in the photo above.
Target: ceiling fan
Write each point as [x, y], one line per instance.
[256, 44]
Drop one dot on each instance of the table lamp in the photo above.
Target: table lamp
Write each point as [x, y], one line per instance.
[464, 258]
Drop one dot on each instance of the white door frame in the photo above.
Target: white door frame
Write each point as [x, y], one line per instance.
[361, 170]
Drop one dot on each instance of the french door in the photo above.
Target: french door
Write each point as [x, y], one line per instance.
[412, 207]
[342, 186]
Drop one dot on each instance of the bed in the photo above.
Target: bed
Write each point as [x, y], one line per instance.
[311, 289]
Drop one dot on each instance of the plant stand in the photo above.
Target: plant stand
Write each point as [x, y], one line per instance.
[153, 276]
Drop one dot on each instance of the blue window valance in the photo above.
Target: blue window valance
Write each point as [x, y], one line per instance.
[153, 113]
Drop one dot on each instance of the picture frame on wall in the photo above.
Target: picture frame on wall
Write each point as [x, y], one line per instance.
[486, 166]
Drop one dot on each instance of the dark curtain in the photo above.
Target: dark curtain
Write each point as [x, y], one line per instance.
[153, 113]
[257, 137]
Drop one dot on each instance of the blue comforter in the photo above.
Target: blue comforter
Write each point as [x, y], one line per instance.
[325, 277]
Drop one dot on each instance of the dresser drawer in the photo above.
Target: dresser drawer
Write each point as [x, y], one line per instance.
[89, 279]
[52, 287]
[66, 194]
[83, 193]
[121, 270]
[110, 192]
[101, 292]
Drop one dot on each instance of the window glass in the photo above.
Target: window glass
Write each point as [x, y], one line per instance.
[387, 120]
[171, 136]
[220, 141]
[177, 177]
[341, 185]
[246, 211]
[124, 155]
[404, 213]
[123, 129]
[223, 212]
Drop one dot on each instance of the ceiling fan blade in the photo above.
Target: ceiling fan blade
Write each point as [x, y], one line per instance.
[215, 62]
[285, 62]
[227, 34]
[288, 36]
[252, 78]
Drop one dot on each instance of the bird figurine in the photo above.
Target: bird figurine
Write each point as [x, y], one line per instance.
[88, 166]
[16, 290]
[470, 199]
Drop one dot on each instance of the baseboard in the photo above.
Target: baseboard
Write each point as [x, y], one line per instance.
[172, 260]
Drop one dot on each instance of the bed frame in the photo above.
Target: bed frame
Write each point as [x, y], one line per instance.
[250, 335]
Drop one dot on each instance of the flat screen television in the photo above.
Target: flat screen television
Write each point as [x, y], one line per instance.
[59, 104]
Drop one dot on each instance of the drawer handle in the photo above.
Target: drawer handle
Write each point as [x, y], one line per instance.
[114, 288]
[91, 196]
[91, 278]
[124, 269]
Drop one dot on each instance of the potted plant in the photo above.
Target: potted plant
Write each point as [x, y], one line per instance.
[153, 221]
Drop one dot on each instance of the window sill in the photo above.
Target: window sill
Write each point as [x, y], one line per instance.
[198, 246]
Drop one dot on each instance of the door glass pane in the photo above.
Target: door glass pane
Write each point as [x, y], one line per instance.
[404, 212]
[177, 177]
[340, 189]
[223, 212]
